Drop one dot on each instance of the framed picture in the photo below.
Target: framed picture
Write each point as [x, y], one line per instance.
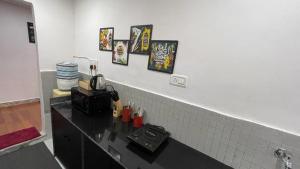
[140, 39]
[106, 37]
[120, 52]
[162, 56]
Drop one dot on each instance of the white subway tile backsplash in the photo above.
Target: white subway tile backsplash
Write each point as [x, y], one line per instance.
[229, 155]
[221, 152]
[237, 158]
[238, 143]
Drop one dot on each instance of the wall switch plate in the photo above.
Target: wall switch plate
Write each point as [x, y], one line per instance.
[178, 80]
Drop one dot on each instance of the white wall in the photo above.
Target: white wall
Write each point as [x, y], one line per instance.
[55, 31]
[242, 57]
[18, 64]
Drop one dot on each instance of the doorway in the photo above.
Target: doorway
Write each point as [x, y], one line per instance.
[20, 104]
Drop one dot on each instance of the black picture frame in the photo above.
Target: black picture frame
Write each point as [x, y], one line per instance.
[100, 40]
[127, 52]
[139, 49]
[150, 61]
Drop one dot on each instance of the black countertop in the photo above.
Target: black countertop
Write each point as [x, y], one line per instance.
[110, 135]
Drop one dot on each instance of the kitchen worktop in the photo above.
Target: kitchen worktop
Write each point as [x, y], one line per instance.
[110, 135]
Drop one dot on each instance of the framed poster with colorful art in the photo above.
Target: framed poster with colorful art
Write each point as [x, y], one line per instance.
[120, 52]
[106, 37]
[140, 39]
[162, 56]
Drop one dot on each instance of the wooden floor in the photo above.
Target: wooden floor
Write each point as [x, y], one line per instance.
[19, 117]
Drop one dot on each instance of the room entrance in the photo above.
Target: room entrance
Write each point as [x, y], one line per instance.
[20, 104]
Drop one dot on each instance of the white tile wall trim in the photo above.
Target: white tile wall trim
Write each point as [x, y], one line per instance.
[235, 142]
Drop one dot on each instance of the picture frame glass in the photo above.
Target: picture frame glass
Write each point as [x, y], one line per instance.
[140, 39]
[162, 56]
[106, 37]
[120, 52]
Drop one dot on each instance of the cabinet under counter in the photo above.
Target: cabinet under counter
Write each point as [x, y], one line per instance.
[100, 142]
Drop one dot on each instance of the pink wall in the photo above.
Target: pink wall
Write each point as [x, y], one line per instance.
[18, 57]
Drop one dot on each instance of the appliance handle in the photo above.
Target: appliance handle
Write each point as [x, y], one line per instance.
[93, 82]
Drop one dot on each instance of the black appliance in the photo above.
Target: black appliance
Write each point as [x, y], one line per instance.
[91, 102]
[149, 137]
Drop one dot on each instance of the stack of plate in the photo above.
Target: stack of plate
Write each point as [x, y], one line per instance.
[67, 75]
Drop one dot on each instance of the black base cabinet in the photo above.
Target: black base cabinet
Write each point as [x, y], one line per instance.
[100, 142]
[94, 157]
[66, 142]
[75, 150]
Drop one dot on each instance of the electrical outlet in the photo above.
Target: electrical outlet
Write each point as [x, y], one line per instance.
[178, 80]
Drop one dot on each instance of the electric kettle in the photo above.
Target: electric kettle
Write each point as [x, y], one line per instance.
[97, 82]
